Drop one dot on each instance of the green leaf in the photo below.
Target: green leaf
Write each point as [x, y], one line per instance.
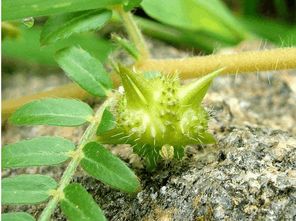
[27, 47]
[107, 122]
[36, 152]
[17, 9]
[27, 189]
[210, 15]
[17, 216]
[52, 111]
[78, 205]
[101, 164]
[85, 70]
[63, 26]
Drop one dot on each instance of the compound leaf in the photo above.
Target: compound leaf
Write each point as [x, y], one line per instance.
[85, 70]
[63, 26]
[27, 189]
[36, 152]
[53, 111]
[78, 205]
[101, 164]
[17, 9]
[17, 216]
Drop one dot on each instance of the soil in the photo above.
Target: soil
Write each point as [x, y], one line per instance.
[250, 174]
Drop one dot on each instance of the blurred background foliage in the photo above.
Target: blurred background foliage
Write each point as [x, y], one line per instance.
[195, 25]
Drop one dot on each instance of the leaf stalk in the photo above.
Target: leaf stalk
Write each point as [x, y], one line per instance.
[72, 166]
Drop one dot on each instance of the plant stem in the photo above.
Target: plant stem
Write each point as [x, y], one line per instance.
[72, 166]
[134, 32]
[251, 61]
[276, 59]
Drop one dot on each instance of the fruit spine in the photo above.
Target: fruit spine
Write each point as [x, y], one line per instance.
[158, 116]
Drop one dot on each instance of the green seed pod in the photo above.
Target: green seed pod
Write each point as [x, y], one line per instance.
[158, 116]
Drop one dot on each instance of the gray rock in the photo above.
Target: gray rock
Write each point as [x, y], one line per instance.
[245, 182]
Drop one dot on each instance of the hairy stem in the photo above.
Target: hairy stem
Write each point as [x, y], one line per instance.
[72, 166]
[252, 61]
[276, 59]
[134, 32]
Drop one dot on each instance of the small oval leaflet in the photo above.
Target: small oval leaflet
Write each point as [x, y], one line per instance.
[54, 112]
[101, 164]
[36, 152]
[85, 70]
[78, 205]
[63, 26]
[27, 189]
[17, 216]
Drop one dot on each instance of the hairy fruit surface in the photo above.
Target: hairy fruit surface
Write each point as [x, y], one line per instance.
[158, 116]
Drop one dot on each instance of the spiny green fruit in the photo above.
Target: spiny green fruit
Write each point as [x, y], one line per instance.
[157, 116]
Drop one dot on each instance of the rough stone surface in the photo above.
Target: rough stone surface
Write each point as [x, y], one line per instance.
[250, 174]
